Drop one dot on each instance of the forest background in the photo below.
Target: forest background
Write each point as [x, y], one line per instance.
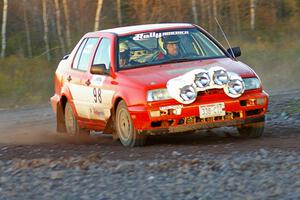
[35, 34]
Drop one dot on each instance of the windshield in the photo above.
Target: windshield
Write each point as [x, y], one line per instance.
[150, 48]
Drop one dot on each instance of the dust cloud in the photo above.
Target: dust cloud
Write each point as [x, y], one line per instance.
[43, 137]
[33, 126]
[277, 76]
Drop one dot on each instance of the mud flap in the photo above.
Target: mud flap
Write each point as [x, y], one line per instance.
[110, 128]
[60, 119]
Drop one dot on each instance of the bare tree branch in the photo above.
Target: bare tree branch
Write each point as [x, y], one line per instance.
[195, 13]
[67, 17]
[252, 11]
[98, 14]
[119, 12]
[27, 30]
[45, 20]
[58, 27]
[4, 21]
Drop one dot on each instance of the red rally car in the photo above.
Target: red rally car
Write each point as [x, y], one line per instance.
[154, 79]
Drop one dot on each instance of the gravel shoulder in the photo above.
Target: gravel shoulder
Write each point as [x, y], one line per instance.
[37, 163]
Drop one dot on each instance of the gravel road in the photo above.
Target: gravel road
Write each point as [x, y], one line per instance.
[37, 163]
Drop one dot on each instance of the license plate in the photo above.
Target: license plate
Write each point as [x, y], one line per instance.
[212, 110]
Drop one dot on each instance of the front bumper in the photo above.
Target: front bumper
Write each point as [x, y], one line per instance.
[199, 126]
[240, 111]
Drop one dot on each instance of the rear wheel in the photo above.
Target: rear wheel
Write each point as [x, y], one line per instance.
[72, 127]
[126, 132]
[253, 130]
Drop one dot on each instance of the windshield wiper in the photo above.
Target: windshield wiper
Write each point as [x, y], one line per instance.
[178, 60]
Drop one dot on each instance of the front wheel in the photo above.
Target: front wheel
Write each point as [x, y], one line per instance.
[126, 132]
[253, 130]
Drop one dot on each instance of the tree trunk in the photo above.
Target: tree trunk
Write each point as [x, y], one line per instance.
[195, 13]
[67, 19]
[252, 13]
[119, 12]
[215, 16]
[3, 35]
[235, 16]
[157, 13]
[46, 30]
[179, 10]
[58, 27]
[27, 31]
[203, 13]
[210, 20]
[144, 8]
[98, 14]
[274, 12]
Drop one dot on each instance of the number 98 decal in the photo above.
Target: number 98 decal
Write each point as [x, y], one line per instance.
[97, 95]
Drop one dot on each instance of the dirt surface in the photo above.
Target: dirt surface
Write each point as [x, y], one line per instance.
[29, 133]
[37, 163]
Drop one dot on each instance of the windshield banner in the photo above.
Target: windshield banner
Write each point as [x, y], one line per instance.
[144, 36]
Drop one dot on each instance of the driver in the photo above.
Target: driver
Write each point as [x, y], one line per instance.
[171, 45]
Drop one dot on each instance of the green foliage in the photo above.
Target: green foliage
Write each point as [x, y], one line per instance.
[25, 81]
[298, 3]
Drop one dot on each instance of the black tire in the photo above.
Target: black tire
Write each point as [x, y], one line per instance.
[72, 128]
[126, 132]
[254, 130]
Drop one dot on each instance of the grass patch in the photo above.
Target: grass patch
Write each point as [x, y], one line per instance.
[25, 81]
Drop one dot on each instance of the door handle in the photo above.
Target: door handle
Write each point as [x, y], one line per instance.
[69, 78]
[88, 82]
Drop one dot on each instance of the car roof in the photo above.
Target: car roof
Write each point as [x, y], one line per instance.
[146, 27]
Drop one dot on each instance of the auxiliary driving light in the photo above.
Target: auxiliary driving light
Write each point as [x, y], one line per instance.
[188, 93]
[220, 77]
[202, 79]
[236, 87]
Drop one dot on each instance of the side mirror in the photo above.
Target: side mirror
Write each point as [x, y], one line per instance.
[235, 51]
[99, 69]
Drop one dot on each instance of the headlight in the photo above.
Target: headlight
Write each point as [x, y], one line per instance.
[202, 79]
[188, 93]
[158, 94]
[251, 83]
[220, 77]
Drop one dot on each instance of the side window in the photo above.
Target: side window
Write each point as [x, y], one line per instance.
[84, 53]
[103, 53]
[78, 54]
[87, 53]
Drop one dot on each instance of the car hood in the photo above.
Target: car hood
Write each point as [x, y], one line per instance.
[158, 76]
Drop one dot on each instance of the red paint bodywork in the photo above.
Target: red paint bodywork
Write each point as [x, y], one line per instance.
[132, 85]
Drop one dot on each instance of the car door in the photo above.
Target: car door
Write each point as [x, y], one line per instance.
[100, 90]
[77, 85]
